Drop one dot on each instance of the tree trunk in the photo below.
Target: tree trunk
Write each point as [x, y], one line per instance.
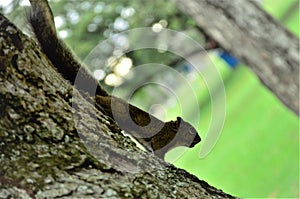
[253, 36]
[54, 143]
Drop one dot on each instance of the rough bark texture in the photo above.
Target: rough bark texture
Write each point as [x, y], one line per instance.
[42, 155]
[244, 29]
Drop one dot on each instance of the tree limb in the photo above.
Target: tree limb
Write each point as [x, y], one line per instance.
[55, 143]
[253, 36]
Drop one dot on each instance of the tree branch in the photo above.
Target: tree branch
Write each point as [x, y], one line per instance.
[55, 143]
[253, 36]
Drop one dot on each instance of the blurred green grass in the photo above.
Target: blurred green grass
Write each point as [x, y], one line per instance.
[257, 153]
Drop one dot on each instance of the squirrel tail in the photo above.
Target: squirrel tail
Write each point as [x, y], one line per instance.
[41, 19]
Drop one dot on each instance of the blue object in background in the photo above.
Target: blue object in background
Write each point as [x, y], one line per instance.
[229, 59]
[186, 68]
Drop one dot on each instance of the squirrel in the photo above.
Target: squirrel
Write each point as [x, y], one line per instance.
[155, 135]
[151, 132]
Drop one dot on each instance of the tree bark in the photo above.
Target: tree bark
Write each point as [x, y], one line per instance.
[253, 36]
[54, 142]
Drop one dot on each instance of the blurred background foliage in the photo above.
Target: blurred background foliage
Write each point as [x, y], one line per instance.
[257, 154]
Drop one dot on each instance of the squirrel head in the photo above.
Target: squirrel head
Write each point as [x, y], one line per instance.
[177, 133]
[187, 135]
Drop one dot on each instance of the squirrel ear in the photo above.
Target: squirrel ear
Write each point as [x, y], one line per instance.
[179, 119]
